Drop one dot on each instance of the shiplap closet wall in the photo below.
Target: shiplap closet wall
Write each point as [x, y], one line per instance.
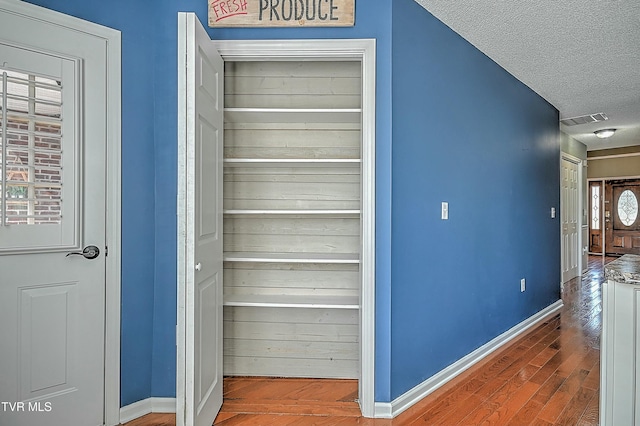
[292, 218]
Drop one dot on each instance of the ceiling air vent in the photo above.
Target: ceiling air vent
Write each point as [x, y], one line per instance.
[584, 119]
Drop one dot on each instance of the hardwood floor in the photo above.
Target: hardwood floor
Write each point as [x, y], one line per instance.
[549, 376]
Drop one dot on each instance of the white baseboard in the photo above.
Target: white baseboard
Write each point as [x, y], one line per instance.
[146, 406]
[388, 410]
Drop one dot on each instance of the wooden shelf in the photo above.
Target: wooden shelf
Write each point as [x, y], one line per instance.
[265, 257]
[291, 162]
[290, 301]
[266, 212]
[292, 115]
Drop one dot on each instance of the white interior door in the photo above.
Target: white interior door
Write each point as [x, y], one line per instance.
[200, 132]
[570, 217]
[52, 206]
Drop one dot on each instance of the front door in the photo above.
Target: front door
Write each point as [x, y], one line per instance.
[622, 225]
[52, 224]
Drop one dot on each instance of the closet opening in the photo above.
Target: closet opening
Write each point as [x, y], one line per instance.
[298, 212]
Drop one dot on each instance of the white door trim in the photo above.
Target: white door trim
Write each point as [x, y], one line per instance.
[112, 40]
[113, 228]
[364, 50]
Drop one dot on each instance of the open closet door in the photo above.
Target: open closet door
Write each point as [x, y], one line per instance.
[200, 129]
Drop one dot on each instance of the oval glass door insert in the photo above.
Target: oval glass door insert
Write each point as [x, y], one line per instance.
[627, 207]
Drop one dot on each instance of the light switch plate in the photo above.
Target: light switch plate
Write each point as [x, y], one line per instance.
[553, 212]
[445, 210]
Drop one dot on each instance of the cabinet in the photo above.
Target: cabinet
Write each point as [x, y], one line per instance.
[292, 218]
[620, 343]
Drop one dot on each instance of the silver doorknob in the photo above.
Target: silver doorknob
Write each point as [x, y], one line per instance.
[89, 252]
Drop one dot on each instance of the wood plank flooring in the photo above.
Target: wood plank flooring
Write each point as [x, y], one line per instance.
[549, 376]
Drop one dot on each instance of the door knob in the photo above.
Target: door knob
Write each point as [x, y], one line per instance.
[89, 252]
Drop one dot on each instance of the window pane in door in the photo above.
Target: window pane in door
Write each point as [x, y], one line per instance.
[627, 207]
[595, 207]
[30, 149]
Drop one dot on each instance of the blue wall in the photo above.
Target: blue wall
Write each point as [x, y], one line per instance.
[466, 132]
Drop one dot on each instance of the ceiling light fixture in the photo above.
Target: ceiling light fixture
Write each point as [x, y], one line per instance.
[604, 133]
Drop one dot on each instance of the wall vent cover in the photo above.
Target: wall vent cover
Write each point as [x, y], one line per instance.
[584, 119]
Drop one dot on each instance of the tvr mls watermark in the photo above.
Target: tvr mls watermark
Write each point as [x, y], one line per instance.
[26, 407]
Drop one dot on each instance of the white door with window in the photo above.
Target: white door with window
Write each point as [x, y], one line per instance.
[53, 136]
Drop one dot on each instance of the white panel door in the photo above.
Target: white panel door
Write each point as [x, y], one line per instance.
[52, 206]
[570, 216]
[200, 129]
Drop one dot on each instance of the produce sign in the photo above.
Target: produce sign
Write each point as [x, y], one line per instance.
[281, 13]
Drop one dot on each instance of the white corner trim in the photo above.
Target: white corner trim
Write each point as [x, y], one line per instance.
[163, 405]
[135, 410]
[384, 410]
[146, 406]
[388, 410]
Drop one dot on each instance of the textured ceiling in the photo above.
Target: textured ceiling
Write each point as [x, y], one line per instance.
[581, 56]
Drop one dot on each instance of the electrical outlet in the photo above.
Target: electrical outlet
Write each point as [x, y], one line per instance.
[445, 210]
[522, 285]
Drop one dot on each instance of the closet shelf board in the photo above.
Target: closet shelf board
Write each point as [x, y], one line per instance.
[292, 301]
[292, 115]
[291, 257]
